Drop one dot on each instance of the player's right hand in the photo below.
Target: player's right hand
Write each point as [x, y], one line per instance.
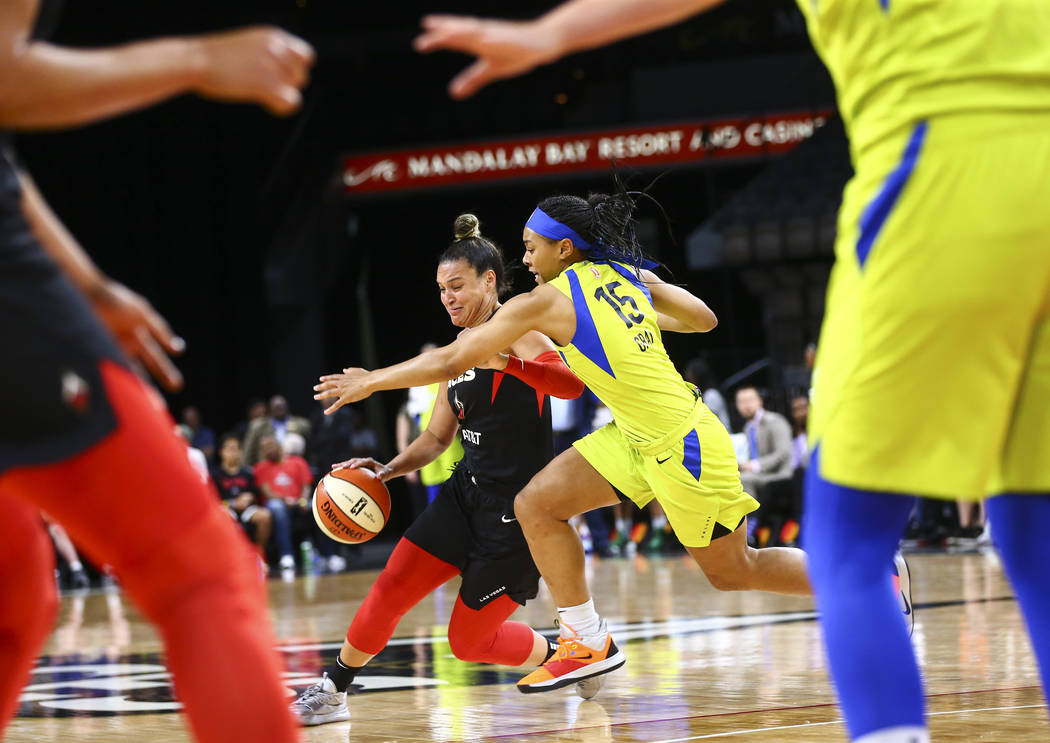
[261, 64]
[503, 48]
[365, 463]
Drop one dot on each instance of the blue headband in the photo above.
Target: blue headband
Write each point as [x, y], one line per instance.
[543, 224]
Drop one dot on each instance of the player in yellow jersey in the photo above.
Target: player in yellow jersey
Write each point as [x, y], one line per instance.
[607, 316]
[933, 373]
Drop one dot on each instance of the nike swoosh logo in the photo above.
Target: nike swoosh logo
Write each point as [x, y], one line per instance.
[505, 520]
[661, 461]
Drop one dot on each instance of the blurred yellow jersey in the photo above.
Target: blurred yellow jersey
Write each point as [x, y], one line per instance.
[898, 62]
[618, 352]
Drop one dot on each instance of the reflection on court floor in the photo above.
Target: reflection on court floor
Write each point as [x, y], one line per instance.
[702, 665]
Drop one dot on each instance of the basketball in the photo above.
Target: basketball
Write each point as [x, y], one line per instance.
[351, 505]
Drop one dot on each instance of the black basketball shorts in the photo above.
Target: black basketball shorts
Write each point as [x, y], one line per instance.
[477, 532]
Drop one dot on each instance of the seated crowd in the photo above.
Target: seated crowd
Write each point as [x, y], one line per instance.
[265, 470]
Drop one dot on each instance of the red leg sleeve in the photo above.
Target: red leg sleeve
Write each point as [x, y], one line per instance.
[485, 636]
[133, 501]
[410, 574]
[27, 597]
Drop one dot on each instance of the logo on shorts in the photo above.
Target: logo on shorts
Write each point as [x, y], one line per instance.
[505, 520]
[661, 461]
[75, 392]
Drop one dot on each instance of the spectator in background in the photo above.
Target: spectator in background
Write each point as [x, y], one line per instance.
[768, 443]
[195, 455]
[331, 438]
[285, 483]
[256, 410]
[698, 372]
[278, 423]
[363, 442]
[201, 437]
[236, 486]
[571, 421]
[294, 448]
[799, 443]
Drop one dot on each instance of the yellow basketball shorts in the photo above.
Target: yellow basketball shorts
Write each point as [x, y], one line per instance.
[692, 472]
[933, 368]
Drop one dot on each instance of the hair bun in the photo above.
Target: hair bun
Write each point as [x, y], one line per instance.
[466, 225]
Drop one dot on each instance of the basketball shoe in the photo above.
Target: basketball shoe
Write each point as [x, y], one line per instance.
[902, 583]
[574, 662]
[321, 703]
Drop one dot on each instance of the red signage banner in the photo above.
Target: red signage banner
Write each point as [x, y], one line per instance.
[657, 145]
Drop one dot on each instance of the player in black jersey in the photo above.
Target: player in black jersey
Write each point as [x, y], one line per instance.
[503, 419]
[81, 436]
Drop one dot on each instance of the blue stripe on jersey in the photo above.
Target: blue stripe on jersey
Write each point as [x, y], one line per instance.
[586, 338]
[885, 4]
[564, 360]
[691, 454]
[876, 212]
[630, 276]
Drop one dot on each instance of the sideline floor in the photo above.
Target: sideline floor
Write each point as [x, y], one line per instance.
[702, 665]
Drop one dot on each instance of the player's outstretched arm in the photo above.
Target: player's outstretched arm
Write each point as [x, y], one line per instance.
[45, 86]
[421, 451]
[507, 49]
[536, 310]
[677, 309]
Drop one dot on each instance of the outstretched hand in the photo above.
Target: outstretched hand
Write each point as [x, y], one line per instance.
[380, 470]
[345, 388]
[503, 48]
[140, 330]
[261, 64]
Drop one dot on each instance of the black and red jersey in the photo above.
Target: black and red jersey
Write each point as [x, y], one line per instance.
[505, 426]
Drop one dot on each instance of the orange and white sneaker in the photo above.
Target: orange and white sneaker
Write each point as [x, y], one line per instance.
[573, 663]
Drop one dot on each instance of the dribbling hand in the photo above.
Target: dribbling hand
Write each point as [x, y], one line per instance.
[262, 65]
[140, 330]
[346, 388]
[381, 470]
[503, 48]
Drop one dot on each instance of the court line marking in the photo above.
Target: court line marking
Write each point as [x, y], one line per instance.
[628, 631]
[730, 733]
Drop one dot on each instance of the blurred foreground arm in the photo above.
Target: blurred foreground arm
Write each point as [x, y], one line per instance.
[139, 329]
[45, 86]
[507, 49]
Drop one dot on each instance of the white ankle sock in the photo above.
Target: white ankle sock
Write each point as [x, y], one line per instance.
[584, 621]
[900, 734]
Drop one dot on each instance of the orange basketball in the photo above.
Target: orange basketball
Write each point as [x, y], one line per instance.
[351, 506]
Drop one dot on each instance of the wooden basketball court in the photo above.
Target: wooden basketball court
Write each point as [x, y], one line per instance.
[702, 665]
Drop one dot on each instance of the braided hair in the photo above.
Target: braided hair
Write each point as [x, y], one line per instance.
[605, 220]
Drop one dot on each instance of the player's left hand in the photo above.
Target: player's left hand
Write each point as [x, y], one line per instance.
[143, 334]
[346, 388]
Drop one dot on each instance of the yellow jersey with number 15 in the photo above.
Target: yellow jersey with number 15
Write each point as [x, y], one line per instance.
[618, 352]
[899, 62]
